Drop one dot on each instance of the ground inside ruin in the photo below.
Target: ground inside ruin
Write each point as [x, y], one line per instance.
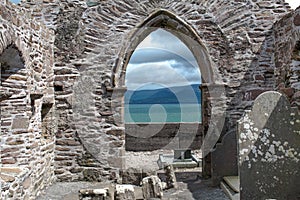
[189, 187]
[190, 184]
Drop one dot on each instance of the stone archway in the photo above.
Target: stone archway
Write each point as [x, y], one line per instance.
[171, 22]
[163, 19]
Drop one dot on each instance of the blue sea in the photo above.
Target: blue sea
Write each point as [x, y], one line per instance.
[159, 113]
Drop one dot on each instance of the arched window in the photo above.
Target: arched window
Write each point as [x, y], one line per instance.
[162, 80]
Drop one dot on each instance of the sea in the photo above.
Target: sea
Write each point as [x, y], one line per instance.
[162, 113]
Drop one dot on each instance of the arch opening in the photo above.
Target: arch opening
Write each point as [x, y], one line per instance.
[182, 135]
[167, 21]
[162, 81]
[13, 98]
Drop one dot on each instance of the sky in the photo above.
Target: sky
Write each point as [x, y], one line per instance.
[161, 60]
[293, 3]
[15, 1]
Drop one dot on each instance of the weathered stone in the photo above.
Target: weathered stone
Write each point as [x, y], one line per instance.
[65, 52]
[10, 170]
[125, 192]
[20, 123]
[268, 149]
[135, 176]
[95, 194]
[152, 187]
[297, 20]
[27, 182]
[92, 175]
[8, 161]
[7, 178]
[170, 177]
[224, 158]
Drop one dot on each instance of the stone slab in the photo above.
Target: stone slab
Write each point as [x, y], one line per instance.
[20, 123]
[269, 146]
[233, 182]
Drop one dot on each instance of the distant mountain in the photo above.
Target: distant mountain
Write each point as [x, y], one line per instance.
[180, 94]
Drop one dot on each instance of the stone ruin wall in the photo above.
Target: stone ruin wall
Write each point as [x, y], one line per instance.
[90, 39]
[232, 32]
[27, 153]
[287, 56]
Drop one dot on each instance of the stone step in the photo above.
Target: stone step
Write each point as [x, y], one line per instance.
[229, 192]
[233, 182]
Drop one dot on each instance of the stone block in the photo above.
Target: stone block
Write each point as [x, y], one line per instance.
[124, 192]
[10, 170]
[170, 177]
[297, 20]
[94, 194]
[8, 161]
[135, 176]
[92, 174]
[26, 183]
[152, 187]
[20, 123]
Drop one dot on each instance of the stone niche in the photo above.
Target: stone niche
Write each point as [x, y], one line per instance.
[269, 146]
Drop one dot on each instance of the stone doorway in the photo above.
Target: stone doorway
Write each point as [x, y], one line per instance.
[166, 20]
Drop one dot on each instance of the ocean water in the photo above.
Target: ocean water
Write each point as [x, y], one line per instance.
[159, 113]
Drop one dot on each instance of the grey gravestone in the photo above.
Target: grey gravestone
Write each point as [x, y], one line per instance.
[269, 149]
[224, 158]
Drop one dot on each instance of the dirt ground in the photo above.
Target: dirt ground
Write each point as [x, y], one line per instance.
[190, 184]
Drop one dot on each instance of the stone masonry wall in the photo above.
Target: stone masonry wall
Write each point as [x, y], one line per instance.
[287, 56]
[26, 56]
[92, 43]
[92, 40]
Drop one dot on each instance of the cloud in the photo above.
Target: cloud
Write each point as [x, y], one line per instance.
[162, 39]
[293, 3]
[162, 59]
[160, 73]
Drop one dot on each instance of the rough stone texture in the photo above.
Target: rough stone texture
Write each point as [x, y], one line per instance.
[286, 56]
[26, 61]
[125, 192]
[269, 145]
[135, 176]
[152, 187]
[77, 52]
[94, 194]
[163, 136]
[170, 177]
[224, 164]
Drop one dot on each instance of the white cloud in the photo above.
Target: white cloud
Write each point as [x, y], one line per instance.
[293, 3]
[163, 59]
[160, 73]
[163, 39]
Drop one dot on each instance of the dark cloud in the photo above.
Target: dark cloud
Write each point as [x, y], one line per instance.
[161, 73]
[162, 59]
[150, 55]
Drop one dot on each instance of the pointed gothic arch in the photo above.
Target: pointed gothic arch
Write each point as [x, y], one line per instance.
[182, 30]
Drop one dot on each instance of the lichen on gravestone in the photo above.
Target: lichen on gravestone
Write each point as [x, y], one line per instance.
[269, 147]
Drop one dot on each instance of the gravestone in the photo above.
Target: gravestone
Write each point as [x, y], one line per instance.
[269, 149]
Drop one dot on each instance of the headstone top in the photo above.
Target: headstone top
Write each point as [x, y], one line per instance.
[269, 149]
